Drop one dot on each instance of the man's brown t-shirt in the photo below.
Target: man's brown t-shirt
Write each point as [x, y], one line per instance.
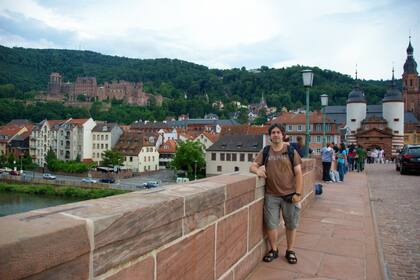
[280, 177]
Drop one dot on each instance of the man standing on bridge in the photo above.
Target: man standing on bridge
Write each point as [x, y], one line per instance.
[280, 164]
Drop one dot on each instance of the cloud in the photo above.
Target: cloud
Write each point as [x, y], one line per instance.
[330, 34]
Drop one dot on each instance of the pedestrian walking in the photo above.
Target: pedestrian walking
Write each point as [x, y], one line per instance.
[351, 158]
[361, 156]
[341, 161]
[326, 157]
[280, 164]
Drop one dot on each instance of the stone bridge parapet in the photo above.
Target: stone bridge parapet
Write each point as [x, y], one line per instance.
[206, 229]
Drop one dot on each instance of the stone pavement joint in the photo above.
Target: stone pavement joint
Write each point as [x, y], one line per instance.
[335, 239]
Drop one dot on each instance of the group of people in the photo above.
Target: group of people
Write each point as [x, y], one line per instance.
[375, 155]
[338, 160]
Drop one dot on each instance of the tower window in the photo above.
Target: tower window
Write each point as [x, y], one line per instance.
[411, 82]
[396, 131]
[396, 120]
[353, 120]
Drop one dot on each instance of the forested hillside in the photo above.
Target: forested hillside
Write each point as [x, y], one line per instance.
[27, 70]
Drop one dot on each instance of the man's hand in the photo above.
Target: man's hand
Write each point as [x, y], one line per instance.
[261, 173]
[296, 198]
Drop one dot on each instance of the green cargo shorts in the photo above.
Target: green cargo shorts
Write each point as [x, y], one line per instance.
[272, 206]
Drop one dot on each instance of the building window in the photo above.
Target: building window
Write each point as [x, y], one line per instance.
[102, 146]
[106, 137]
[227, 156]
[353, 120]
[242, 157]
[102, 137]
[236, 169]
[213, 156]
[131, 159]
[219, 168]
[396, 132]
[249, 157]
[396, 120]
[299, 128]
[318, 139]
[222, 156]
[234, 157]
[106, 146]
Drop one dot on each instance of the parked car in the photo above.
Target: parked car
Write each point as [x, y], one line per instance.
[89, 180]
[14, 173]
[48, 176]
[408, 159]
[107, 180]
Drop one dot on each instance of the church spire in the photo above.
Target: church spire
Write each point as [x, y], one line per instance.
[410, 65]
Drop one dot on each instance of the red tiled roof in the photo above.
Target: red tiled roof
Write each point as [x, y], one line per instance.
[244, 129]
[299, 118]
[78, 121]
[168, 147]
[211, 136]
[10, 131]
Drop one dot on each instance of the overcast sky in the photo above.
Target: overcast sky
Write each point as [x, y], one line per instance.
[330, 34]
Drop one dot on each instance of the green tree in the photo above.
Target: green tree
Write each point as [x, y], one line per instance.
[243, 116]
[112, 158]
[51, 159]
[189, 157]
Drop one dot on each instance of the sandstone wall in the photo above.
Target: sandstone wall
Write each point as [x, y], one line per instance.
[206, 229]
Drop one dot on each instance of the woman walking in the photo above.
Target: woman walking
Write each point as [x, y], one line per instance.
[341, 161]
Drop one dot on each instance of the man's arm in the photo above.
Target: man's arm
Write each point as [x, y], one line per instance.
[299, 183]
[255, 168]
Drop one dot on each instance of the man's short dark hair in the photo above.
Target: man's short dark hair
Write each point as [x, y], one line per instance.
[279, 126]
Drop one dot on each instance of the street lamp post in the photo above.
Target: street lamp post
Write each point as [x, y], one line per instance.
[308, 77]
[324, 103]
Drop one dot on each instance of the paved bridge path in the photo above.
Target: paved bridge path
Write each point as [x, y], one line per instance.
[336, 238]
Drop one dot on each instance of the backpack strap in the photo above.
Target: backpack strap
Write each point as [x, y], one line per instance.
[291, 154]
[266, 151]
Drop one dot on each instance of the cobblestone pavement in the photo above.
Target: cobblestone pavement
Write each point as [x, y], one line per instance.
[396, 206]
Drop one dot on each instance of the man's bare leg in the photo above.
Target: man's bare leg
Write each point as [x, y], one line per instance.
[272, 238]
[290, 238]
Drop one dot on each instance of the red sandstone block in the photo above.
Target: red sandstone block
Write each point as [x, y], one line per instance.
[191, 258]
[31, 243]
[204, 200]
[117, 253]
[75, 269]
[236, 185]
[239, 201]
[231, 241]
[247, 265]
[143, 270]
[202, 218]
[255, 223]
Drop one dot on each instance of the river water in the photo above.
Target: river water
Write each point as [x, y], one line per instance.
[12, 203]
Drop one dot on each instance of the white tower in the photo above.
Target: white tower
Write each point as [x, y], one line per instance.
[393, 113]
[356, 111]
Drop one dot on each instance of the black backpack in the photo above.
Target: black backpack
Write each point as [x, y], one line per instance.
[290, 153]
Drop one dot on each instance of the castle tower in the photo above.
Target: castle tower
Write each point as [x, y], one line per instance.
[356, 111]
[411, 94]
[54, 85]
[393, 113]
